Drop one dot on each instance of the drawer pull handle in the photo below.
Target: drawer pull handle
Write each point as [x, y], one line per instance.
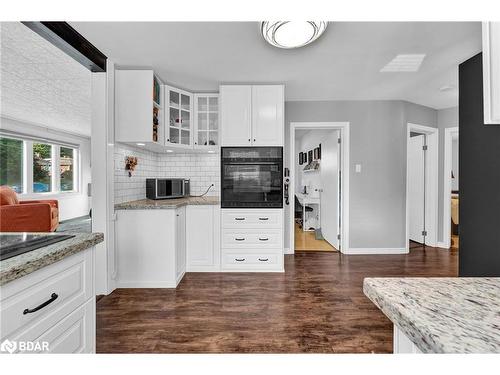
[263, 239]
[263, 259]
[239, 218]
[239, 259]
[263, 218]
[53, 297]
[239, 239]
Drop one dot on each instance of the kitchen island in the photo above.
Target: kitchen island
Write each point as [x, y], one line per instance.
[47, 296]
[440, 315]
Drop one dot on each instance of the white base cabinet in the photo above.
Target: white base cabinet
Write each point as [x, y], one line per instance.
[67, 323]
[402, 344]
[151, 247]
[203, 238]
[252, 240]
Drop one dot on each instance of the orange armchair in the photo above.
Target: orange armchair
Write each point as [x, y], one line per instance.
[27, 216]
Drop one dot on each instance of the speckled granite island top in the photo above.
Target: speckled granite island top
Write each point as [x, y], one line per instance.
[24, 264]
[442, 315]
[150, 204]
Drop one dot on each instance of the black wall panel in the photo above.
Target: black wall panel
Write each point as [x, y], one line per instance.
[479, 170]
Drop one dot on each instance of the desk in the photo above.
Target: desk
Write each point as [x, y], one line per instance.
[307, 200]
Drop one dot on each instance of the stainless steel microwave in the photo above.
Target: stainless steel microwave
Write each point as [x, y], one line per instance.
[165, 188]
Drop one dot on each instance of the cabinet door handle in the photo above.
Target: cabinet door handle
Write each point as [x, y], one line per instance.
[52, 298]
[254, 139]
[239, 239]
[239, 218]
[264, 239]
[263, 259]
[249, 139]
[239, 259]
[263, 218]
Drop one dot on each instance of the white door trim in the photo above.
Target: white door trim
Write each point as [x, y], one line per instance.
[431, 188]
[343, 127]
[448, 134]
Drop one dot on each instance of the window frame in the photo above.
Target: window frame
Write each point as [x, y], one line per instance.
[55, 165]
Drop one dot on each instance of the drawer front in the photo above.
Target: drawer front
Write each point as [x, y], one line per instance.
[252, 238]
[74, 333]
[48, 294]
[252, 218]
[251, 260]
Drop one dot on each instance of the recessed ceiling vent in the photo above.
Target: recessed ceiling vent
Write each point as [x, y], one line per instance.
[404, 63]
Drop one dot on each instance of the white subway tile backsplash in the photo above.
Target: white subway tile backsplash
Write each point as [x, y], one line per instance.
[201, 169]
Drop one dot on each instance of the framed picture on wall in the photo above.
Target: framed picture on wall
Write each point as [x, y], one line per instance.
[319, 151]
[310, 155]
[316, 153]
[301, 158]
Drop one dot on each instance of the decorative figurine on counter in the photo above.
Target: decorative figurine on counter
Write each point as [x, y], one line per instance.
[130, 163]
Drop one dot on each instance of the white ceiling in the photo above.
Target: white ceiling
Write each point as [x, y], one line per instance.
[41, 84]
[344, 64]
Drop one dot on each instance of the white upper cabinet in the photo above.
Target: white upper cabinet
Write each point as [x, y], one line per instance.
[235, 115]
[179, 118]
[267, 115]
[139, 107]
[252, 115]
[491, 72]
[206, 121]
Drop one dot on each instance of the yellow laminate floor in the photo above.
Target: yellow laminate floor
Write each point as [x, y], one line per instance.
[306, 241]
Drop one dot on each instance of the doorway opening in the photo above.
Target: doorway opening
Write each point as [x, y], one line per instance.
[318, 190]
[451, 197]
[421, 186]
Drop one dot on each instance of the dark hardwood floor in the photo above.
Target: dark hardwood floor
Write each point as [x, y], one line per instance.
[317, 305]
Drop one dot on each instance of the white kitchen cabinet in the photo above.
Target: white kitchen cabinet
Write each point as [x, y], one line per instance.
[139, 108]
[235, 115]
[402, 344]
[180, 243]
[252, 115]
[150, 248]
[179, 118]
[267, 115]
[491, 72]
[67, 323]
[252, 240]
[203, 238]
[206, 121]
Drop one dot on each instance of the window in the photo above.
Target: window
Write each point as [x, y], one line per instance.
[66, 168]
[37, 167]
[42, 168]
[11, 163]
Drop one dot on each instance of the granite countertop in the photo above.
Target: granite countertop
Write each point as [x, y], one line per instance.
[442, 315]
[24, 264]
[150, 204]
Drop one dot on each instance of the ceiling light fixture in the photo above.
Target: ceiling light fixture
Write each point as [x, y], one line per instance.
[292, 34]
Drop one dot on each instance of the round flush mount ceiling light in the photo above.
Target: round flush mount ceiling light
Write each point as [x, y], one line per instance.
[292, 34]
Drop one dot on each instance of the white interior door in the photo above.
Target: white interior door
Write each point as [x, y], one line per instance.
[416, 187]
[329, 168]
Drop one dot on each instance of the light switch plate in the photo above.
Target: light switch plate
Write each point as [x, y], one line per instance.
[358, 168]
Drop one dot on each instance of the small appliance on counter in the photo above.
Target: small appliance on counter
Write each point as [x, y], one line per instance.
[167, 188]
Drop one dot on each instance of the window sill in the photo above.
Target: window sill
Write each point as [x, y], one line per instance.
[50, 195]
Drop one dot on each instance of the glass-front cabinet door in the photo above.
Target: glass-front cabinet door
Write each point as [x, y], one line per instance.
[206, 133]
[180, 108]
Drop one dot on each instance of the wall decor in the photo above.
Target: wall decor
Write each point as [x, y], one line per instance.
[316, 153]
[301, 158]
[310, 155]
[130, 164]
[319, 151]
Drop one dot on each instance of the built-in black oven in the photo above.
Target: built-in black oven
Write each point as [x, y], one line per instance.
[252, 177]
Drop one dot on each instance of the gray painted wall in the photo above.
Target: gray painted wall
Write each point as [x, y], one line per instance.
[378, 143]
[447, 118]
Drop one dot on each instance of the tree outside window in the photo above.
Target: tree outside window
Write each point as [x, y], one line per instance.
[11, 163]
[66, 167]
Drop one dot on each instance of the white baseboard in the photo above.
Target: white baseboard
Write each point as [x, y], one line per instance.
[442, 245]
[373, 251]
[288, 251]
[144, 284]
